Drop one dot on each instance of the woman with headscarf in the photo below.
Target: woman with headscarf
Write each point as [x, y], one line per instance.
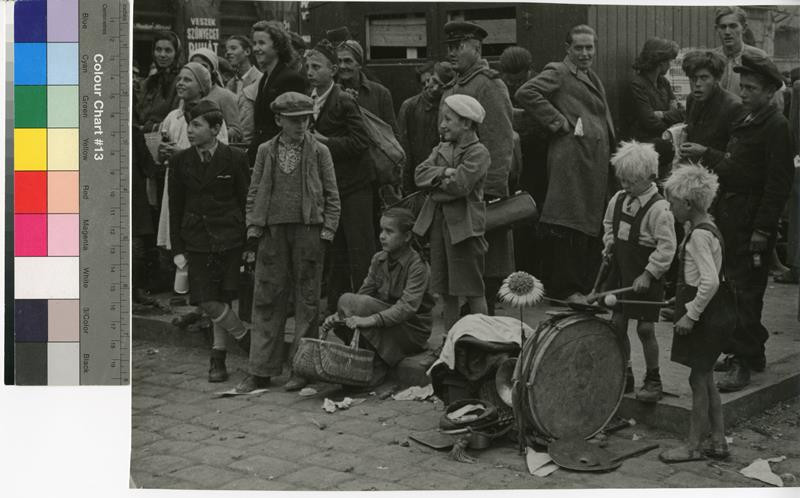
[192, 85]
[653, 104]
[224, 98]
[157, 96]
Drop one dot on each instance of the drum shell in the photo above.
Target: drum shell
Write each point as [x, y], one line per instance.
[572, 382]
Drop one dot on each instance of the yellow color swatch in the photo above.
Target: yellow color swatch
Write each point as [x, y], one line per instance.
[62, 149]
[30, 149]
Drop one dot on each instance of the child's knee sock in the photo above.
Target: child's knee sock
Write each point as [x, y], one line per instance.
[229, 322]
[219, 338]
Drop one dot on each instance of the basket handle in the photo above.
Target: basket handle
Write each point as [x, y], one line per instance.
[356, 336]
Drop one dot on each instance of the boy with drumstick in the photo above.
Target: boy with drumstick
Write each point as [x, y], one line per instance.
[639, 233]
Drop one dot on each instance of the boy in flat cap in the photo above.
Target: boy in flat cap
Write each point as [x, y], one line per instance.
[454, 211]
[207, 193]
[292, 207]
[755, 174]
[476, 79]
[339, 125]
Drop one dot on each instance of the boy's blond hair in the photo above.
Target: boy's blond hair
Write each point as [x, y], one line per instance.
[694, 183]
[635, 161]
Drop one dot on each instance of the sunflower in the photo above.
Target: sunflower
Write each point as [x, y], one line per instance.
[521, 290]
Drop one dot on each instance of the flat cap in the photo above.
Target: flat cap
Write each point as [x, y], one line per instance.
[202, 107]
[466, 107]
[758, 64]
[292, 104]
[463, 30]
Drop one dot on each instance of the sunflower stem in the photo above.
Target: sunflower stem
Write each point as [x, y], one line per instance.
[521, 326]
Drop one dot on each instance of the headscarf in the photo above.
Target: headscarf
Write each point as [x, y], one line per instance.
[164, 78]
[202, 76]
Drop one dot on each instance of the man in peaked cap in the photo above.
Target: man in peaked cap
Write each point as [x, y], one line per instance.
[476, 79]
[755, 174]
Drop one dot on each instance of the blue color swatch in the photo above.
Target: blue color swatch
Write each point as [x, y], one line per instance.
[32, 15]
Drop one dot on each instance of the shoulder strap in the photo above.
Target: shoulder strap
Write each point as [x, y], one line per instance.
[618, 212]
[636, 224]
[715, 231]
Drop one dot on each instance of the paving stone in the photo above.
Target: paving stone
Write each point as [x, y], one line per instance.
[420, 422]
[146, 402]
[234, 439]
[366, 428]
[216, 421]
[230, 405]
[252, 483]
[170, 447]
[317, 478]
[371, 485]
[347, 442]
[167, 379]
[433, 480]
[289, 450]
[159, 464]
[183, 396]
[414, 407]
[308, 434]
[265, 467]
[207, 477]
[683, 479]
[262, 411]
[181, 411]
[140, 437]
[147, 481]
[153, 422]
[188, 432]
[265, 428]
[217, 455]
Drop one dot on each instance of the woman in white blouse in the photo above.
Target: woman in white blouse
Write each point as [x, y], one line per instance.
[698, 339]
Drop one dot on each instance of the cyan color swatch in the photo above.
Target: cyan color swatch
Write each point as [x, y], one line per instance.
[62, 63]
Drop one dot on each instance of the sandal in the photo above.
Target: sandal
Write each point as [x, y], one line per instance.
[681, 454]
[715, 450]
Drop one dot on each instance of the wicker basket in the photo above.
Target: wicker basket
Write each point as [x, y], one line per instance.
[325, 361]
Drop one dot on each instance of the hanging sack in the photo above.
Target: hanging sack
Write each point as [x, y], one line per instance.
[385, 153]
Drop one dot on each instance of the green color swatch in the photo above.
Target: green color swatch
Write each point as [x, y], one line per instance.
[30, 107]
[62, 106]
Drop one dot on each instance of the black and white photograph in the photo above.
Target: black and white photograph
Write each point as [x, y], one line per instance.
[415, 246]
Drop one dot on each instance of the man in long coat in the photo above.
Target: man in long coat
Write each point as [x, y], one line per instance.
[568, 99]
[476, 79]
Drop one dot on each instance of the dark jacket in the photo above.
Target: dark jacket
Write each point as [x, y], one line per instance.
[142, 168]
[156, 98]
[645, 99]
[418, 131]
[377, 99]
[206, 202]
[340, 120]
[280, 80]
[709, 123]
[758, 162]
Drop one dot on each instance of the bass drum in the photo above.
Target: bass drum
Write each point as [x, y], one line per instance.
[572, 378]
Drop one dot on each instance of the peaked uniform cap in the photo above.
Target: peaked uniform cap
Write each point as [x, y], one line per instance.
[463, 30]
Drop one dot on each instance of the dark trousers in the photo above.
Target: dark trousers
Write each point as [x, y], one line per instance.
[572, 259]
[353, 246]
[289, 260]
[733, 214]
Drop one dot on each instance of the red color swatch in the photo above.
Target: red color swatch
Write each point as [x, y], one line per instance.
[30, 192]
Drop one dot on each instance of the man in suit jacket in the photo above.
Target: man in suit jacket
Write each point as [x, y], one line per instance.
[339, 125]
[568, 99]
[273, 52]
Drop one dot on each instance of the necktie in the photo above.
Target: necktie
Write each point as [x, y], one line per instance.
[206, 156]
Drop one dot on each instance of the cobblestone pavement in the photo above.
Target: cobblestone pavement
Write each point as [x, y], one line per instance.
[184, 437]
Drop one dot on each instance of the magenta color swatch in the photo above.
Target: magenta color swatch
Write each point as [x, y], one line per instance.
[62, 21]
[62, 234]
[30, 235]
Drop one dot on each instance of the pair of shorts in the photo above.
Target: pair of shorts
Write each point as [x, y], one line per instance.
[214, 276]
[456, 269]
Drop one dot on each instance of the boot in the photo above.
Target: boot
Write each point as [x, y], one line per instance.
[244, 342]
[295, 383]
[723, 364]
[218, 372]
[651, 391]
[629, 380]
[736, 379]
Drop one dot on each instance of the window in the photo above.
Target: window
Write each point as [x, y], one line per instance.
[397, 36]
[499, 23]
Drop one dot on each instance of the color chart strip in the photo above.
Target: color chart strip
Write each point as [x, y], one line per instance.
[46, 208]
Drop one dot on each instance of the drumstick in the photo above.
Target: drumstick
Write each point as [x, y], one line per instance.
[615, 291]
[632, 301]
[601, 274]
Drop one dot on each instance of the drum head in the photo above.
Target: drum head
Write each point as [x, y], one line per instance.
[577, 378]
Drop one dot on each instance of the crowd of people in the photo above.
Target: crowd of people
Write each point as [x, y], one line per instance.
[268, 166]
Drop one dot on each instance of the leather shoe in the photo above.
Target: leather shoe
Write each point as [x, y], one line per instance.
[736, 379]
[251, 383]
[724, 363]
[295, 383]
[218, 372]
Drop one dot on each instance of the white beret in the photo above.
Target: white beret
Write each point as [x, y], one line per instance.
[466, 107]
